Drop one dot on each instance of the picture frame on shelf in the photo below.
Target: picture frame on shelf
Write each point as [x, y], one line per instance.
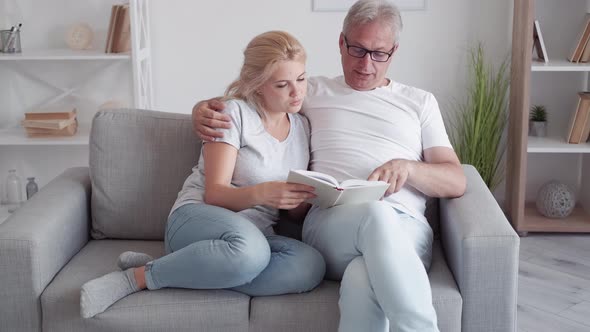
[539, 43]
[344, 5]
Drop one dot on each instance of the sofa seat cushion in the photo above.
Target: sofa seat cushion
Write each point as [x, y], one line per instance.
[161, 310]
[317, 311]
[446, 297]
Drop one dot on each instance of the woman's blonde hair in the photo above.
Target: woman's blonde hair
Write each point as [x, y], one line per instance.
[261, 57]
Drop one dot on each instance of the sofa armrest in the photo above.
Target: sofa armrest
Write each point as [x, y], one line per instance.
[482, 251]
[37, 241]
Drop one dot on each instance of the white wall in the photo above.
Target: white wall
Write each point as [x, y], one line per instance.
[197, 50]
[197, 45]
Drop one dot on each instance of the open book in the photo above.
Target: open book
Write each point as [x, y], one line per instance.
[330, 193]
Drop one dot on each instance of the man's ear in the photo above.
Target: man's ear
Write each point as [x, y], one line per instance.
[341, 42]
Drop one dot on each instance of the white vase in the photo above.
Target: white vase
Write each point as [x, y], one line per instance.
[538, 128]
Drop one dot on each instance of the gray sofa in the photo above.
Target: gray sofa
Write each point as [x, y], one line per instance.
[76, 226]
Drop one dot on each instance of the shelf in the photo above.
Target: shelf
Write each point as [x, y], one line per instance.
[63, 54]
[559, 65]
[577, 222]
[555, 145]
[17, 136]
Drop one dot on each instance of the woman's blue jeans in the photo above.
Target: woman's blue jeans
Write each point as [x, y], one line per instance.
[209, 247]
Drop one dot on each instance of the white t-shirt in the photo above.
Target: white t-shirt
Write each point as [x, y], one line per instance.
[353, 132]
[261, 158]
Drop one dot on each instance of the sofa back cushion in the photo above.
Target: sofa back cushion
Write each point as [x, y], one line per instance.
[139, 160]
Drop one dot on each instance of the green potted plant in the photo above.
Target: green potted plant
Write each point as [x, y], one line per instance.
[478, 124]
[538, 121]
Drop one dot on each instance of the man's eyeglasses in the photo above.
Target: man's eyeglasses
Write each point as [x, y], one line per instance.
[359, 52]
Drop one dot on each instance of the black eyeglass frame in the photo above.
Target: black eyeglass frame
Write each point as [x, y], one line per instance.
[365, 51]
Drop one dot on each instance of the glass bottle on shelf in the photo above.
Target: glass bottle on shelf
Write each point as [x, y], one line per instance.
[14, 191]
[32, 187]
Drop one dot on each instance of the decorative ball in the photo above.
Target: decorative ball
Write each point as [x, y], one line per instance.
[555, 200]
[79, 36]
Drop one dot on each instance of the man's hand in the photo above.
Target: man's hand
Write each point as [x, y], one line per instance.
[206, 119]
[395, 172]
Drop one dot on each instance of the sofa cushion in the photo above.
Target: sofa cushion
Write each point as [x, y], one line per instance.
[446, 297]
[139, 160]
[160, 310]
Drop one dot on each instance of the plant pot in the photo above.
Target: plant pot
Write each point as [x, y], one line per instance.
[538, 128]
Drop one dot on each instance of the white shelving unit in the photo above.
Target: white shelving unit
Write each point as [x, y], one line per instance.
[560, 65]
[139, 58]
[55, 73]
[63, 54]
[532, 161]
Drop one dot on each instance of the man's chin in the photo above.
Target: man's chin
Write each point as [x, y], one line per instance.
[361, 85]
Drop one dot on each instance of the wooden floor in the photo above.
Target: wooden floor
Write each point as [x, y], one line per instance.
[554, 283]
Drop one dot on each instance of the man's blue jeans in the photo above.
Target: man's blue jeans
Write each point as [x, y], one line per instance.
[209, 247]
[380, 254]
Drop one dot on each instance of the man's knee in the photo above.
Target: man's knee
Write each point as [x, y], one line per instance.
[380, 215]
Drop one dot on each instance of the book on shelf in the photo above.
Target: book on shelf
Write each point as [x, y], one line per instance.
[119, 32]
[50, 122]
[329, 192]
[581, 41]
[43, 133]
[539, 43]
[47, 114]
[579, 128]
[586, 54]
[109, 44]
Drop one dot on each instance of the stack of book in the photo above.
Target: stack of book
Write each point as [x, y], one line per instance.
[119, 33]
[579, 129]
[50, 124]
[580, 51]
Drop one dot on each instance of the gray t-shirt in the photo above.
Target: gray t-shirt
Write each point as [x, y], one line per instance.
[261, 158]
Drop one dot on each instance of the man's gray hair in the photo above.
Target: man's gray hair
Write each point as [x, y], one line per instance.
[367, 11]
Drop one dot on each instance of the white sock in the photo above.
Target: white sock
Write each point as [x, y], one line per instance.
[99, 294]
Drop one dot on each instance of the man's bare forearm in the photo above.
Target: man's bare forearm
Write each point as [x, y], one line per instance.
[438, 180]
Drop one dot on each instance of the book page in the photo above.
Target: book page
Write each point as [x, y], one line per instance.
[356, 195]
[326, 193]
[361, 183]
[319, 176]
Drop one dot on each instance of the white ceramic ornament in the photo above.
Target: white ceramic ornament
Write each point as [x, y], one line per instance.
[79, 36]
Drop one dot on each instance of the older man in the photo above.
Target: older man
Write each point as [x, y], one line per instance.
[365, 125]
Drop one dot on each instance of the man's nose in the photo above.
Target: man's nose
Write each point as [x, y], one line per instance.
[366, 60]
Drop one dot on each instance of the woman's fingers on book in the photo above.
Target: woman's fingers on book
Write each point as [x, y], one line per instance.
[289, 203]
[298, 187]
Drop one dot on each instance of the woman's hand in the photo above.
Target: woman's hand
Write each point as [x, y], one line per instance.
[282, 195]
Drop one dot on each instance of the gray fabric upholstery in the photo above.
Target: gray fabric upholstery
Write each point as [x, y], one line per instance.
[138, 162]
[482, 251]
[36, 242]
[161, 310]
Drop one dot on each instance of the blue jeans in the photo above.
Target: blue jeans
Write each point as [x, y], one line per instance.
[209, 247]
[381, 255]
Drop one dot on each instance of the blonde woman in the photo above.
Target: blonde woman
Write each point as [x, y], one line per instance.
[219, 232]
